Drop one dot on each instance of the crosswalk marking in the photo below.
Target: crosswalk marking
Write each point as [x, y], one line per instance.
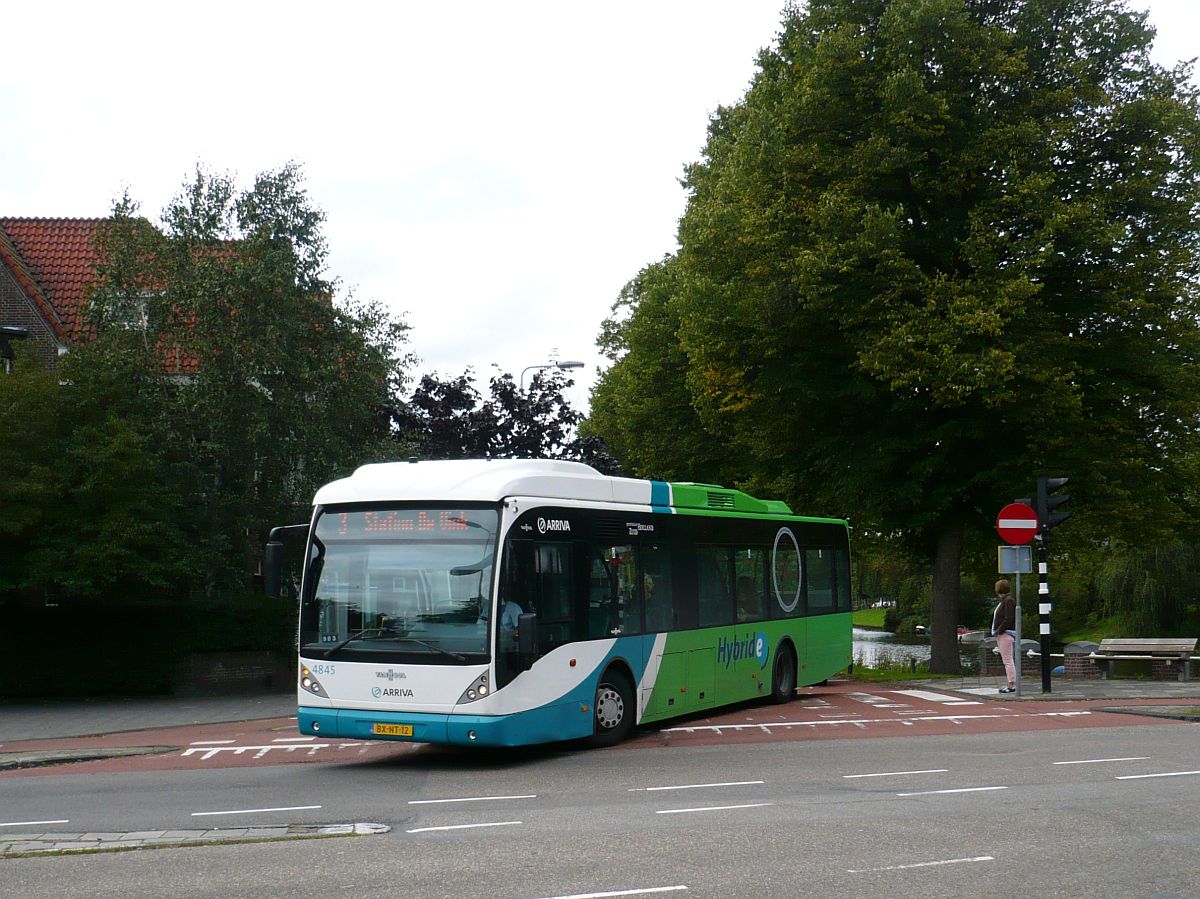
[884, 702]
[930, 696]
[880, 702]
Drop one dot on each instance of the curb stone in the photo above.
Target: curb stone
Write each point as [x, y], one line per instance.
[1179, 713]
[37, 758]
[19, 845]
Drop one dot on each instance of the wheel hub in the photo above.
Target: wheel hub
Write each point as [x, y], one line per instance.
[610, 708]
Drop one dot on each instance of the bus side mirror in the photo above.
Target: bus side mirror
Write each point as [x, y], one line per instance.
[272, 567]
[527, 633]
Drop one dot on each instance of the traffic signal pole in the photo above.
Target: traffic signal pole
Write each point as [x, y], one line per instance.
[1044, 609]
[1047, 502]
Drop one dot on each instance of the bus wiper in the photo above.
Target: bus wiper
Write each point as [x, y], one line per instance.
[454, 655]
[354, 636]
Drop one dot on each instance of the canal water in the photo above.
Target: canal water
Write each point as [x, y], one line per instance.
[875, 649]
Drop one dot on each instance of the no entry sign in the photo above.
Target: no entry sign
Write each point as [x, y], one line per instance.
[1017, 523]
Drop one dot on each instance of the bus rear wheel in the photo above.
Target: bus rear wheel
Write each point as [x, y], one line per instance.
[783, 675]
[614, 709]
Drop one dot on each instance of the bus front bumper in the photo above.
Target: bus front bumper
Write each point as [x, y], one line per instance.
[566, 721]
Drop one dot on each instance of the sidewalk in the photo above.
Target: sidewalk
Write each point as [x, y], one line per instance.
[54, 718]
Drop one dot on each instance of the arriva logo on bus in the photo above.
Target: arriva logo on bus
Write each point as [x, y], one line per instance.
[751, 646]
[553, 524]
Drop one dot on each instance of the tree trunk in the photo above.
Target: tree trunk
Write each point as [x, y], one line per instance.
[943, 615]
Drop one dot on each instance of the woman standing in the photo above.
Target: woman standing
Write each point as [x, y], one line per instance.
[1004, 624]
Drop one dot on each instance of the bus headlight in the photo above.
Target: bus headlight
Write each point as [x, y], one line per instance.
[310, 683]
[477, 690]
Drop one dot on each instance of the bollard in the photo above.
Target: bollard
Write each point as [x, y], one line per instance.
[912, 664]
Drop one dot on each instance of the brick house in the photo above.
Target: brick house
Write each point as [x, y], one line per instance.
[46, 268]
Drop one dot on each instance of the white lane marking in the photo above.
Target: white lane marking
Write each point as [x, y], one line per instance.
[468, 799]
[292, 740]
[260, 751]
[211, 742]
[732, 783]
[641, 892]
[963, 790]
[23, 823]
[1132, 758]
[711, 808]
[881, 702]
[462, 826]
[254, 811]
[897, 773]
[949, 861]
[957, 719]
[1164, 774]
[929, 696]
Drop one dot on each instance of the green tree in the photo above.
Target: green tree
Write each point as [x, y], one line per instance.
[641, 406]
[449, 419]
[265, 385]
[92, 507]
[942, 246]
[1153, 591]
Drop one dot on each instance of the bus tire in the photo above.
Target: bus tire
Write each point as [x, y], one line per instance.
[614, 711]
[783, 675]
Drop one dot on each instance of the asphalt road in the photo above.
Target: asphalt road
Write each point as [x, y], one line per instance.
[1067, 812]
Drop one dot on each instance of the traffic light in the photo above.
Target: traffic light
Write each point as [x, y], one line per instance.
[1047, 502]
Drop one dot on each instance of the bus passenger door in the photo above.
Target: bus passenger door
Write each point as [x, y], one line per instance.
[614, 604]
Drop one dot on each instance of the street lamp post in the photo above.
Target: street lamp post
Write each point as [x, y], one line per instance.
[561, 366]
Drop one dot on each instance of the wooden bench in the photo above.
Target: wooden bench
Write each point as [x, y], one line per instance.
[1153, 649]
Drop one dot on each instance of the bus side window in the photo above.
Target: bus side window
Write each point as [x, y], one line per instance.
[749, 566]
[627, 615]
[715, 585]
[554, 582]
[787, 581]
[843, 580]
[657, 595]
[536, 578]
[602, 596]
[818, 563]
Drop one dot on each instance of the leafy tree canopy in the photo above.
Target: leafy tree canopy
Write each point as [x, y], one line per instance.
[449, 419]
[92, 507]
[940, 247]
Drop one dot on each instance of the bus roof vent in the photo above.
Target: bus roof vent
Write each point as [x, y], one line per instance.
[720, 500]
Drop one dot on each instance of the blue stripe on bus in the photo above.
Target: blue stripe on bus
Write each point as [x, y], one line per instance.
[660, 496]
[557, 721]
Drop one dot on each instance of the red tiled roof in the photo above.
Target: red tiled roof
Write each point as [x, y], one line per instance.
[55, 262]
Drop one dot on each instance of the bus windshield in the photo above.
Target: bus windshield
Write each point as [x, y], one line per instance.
[400, 584]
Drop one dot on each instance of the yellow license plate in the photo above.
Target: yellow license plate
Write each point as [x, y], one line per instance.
[392, 730]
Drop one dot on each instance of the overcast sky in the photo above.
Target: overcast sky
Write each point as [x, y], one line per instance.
[494, 172]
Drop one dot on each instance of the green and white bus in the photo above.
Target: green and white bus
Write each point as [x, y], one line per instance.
[508, 602]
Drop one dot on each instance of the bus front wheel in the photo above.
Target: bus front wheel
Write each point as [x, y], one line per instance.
[615, 709]
[783, 675]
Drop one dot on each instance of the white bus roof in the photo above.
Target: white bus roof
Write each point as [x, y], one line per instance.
[478, 480]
